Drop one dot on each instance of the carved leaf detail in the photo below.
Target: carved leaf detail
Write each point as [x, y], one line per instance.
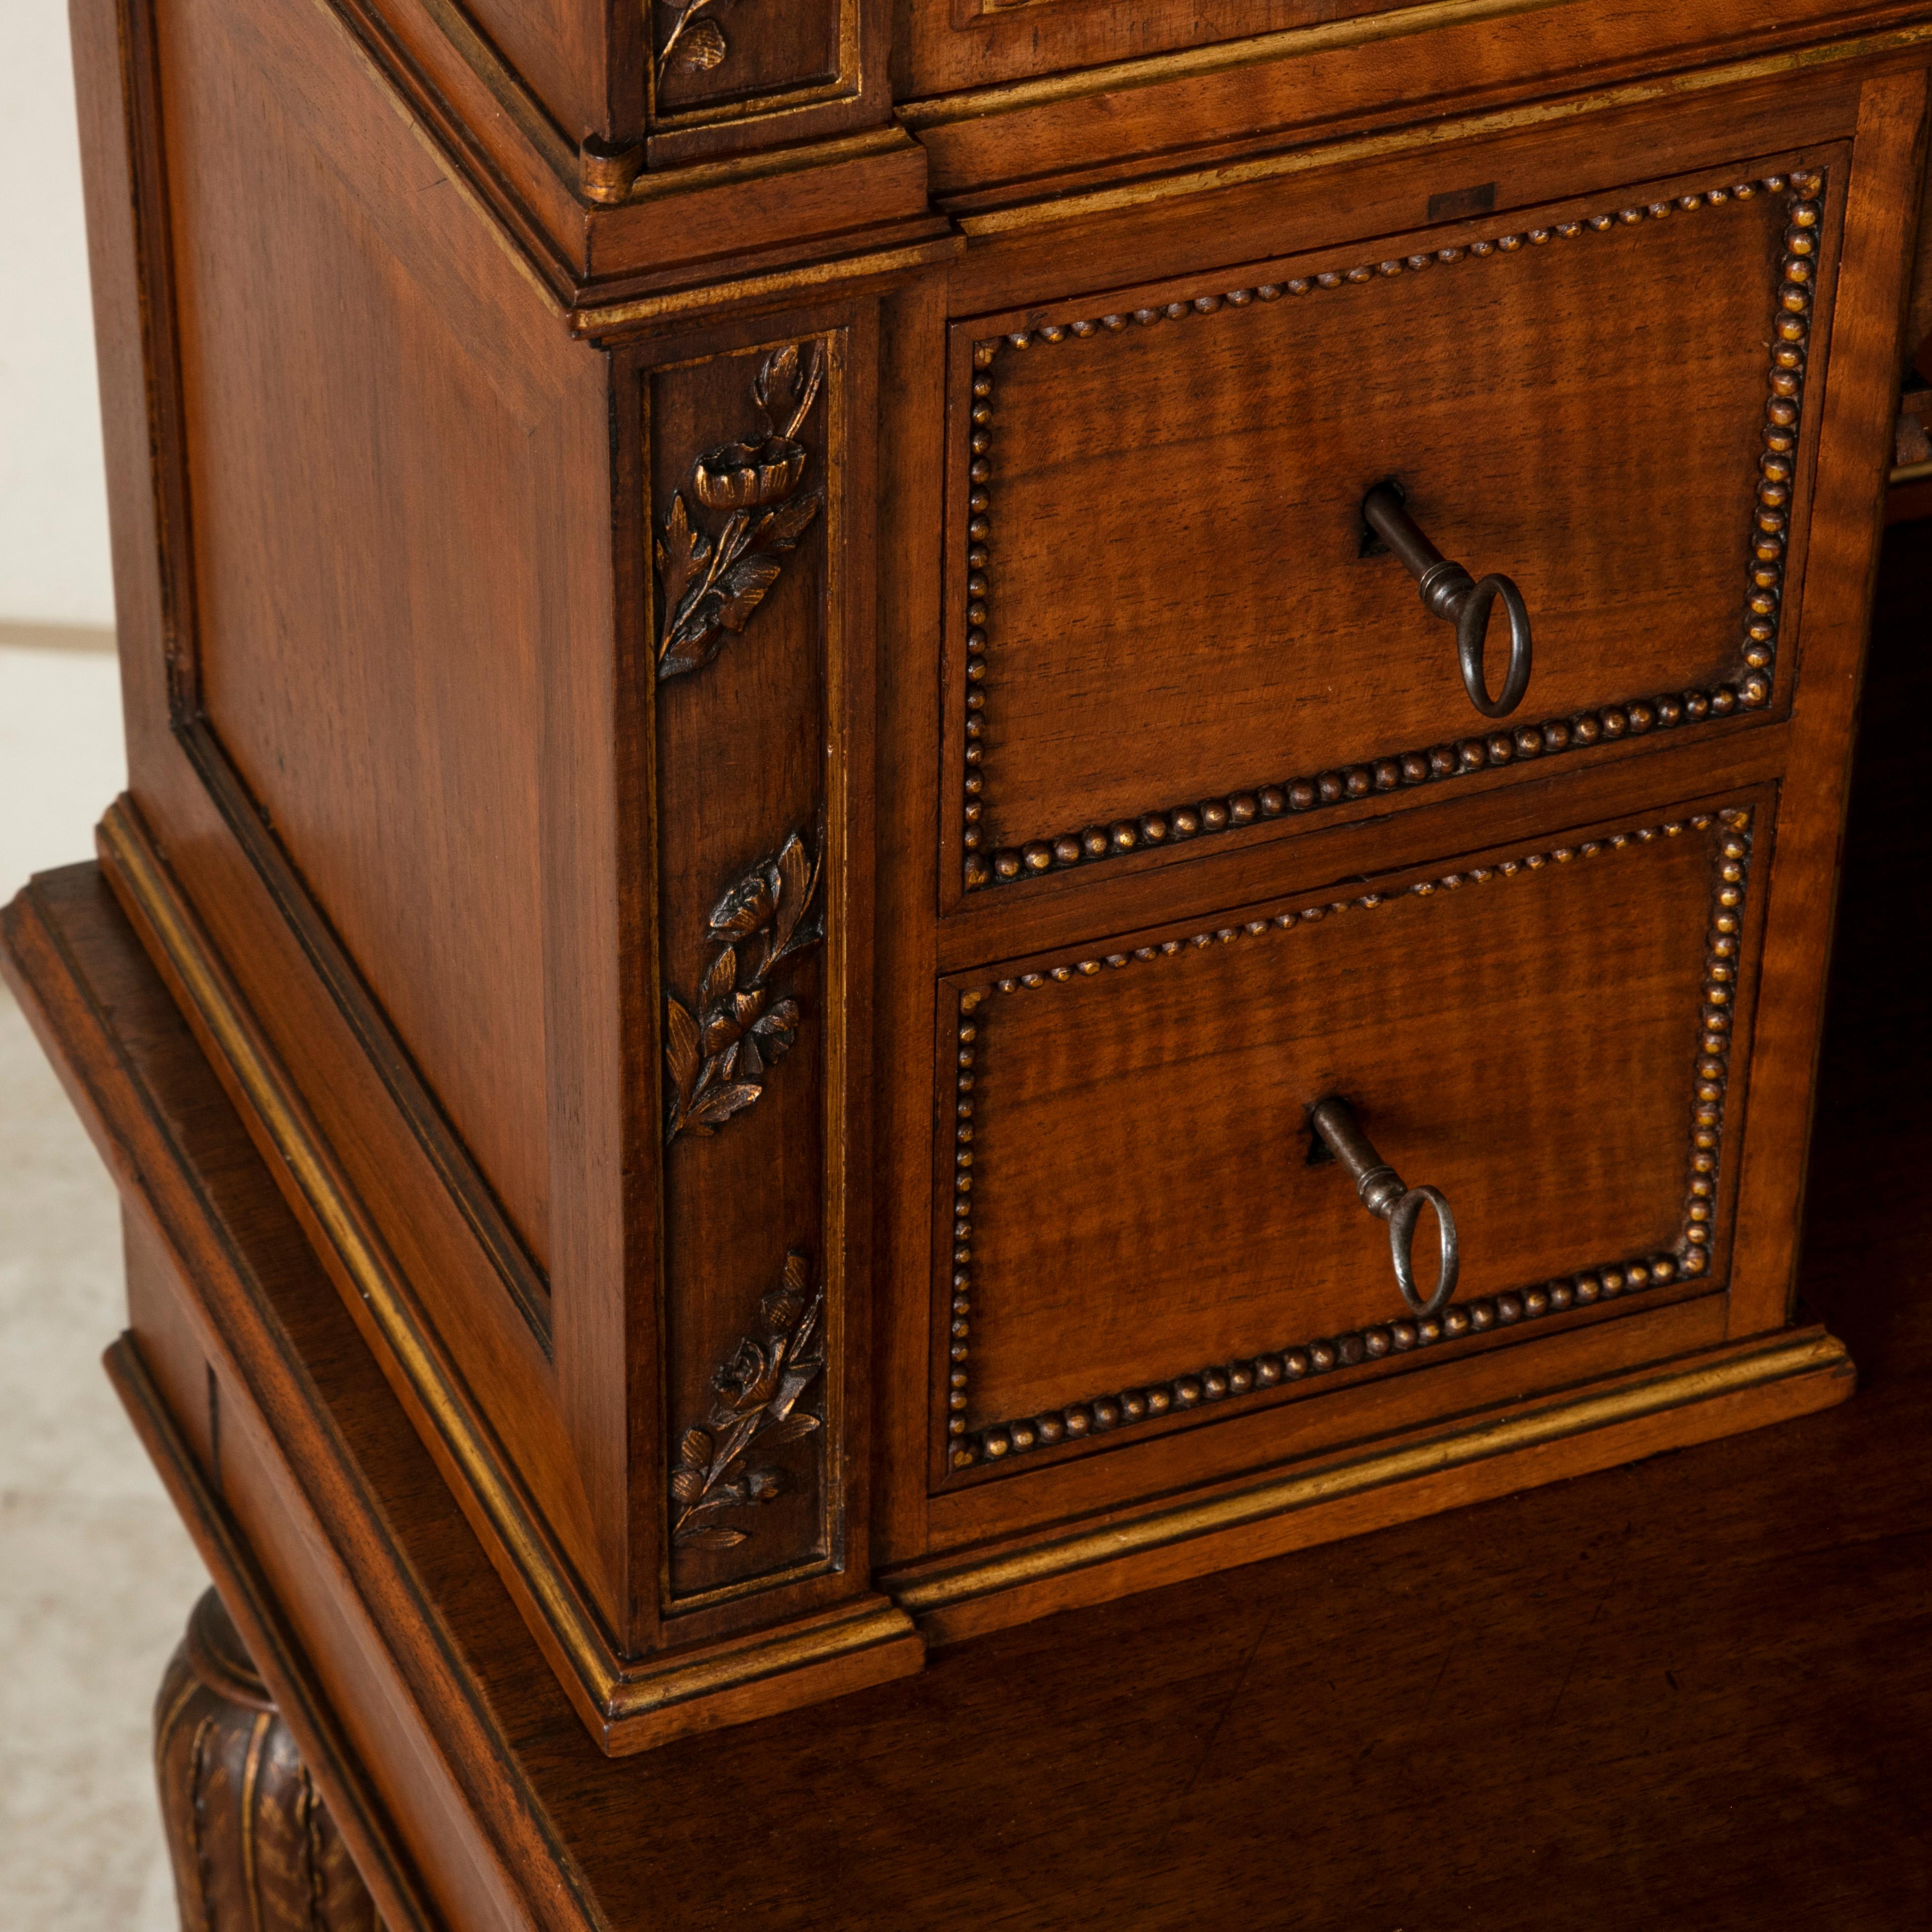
[760, 1400]
[743, 590]
[719, 1060]
[721, 1103]
[746, 906]
[794, 893]
[681, 1054]
[710, 584]
[701, 47]
[787, 524]
[796, 1425]
[721, 976]
[714, 1536]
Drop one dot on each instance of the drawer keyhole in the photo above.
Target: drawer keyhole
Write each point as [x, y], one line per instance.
[1389, 1198]
[1449, 592]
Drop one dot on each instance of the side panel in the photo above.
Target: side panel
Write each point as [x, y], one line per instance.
[366, 609]
[398, 514]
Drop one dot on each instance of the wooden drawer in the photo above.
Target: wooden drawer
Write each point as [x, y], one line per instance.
[1164, 625]
[1141, 1228]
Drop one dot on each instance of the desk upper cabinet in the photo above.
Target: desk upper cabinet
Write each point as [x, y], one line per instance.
[812, 736]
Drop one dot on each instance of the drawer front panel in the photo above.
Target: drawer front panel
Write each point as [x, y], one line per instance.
[1139, 1227]
[1166, 626]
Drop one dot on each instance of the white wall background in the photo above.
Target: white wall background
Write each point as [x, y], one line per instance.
[53, 505]
[96, 1575]
[60, 759]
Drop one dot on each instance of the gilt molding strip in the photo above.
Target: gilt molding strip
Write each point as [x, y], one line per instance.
[984, 863]
[1489, 1436]
[1097, 1414]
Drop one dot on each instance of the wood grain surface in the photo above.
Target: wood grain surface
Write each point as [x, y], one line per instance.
[1144, 1201]
[444, 323]
[1177, 606]
[1688, 1693]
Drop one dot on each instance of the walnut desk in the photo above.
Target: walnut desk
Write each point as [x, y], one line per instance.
[976, 805]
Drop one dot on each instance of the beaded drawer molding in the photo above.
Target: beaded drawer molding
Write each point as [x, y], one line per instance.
[986, 863]
[967, 1447]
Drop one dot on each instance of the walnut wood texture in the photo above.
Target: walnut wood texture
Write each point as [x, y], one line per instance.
[1696, 1632]
[516, 485]
[1207, 568]
[1459, 1014]
[253, 1844]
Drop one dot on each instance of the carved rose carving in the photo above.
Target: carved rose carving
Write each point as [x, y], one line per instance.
[761, 1404]
[718, 1054]
[710, 581]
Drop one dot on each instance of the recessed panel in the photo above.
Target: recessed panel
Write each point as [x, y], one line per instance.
[1172, 620]
[1143, 1220]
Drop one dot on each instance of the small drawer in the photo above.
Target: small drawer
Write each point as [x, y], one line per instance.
[1145, 1231]
[1170, 621]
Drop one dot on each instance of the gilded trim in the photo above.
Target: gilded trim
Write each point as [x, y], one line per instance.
[1320, 156]
[981, 103]
[621, 1691]
[590, 319]
[1551, 1422]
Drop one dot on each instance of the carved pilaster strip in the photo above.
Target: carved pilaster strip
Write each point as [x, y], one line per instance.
[741, 694]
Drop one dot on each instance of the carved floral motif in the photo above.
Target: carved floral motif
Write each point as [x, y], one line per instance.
[761, 1404]
[695, 43]
[710, 581]
[717, 1060]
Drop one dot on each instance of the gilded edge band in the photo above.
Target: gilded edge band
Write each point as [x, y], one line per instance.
[592, 320]
[979, 103]
[1552, 1423]
[1434, 133]
[622, 1692]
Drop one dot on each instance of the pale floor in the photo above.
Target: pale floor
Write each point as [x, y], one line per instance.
[96, 1575]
